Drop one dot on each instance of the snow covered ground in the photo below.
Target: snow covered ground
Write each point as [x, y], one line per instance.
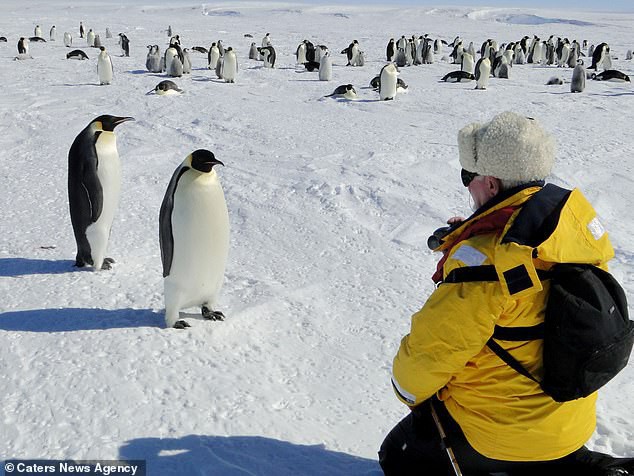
[330, 204]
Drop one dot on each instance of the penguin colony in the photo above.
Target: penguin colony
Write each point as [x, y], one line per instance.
[188, 233]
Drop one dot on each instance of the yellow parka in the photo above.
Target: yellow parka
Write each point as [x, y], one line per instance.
[504, 415]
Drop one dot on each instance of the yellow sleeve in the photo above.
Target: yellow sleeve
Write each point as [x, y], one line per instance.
[452, 327]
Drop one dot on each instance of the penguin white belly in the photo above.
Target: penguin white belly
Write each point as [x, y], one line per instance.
[200, 228]
[388, 86]
[301, 54]
[109, 174]
[104, 69]
[325, 68]
[229, 68]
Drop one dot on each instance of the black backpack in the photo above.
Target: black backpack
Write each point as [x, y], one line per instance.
[587, 334]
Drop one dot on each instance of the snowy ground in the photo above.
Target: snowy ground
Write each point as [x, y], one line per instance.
[330, 203]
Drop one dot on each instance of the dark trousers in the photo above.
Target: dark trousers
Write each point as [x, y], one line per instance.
[414, 448]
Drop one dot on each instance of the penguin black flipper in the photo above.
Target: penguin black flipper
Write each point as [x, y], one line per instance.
[166, 236]
[85, 193]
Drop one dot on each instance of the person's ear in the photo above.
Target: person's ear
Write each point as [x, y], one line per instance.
[493, 185]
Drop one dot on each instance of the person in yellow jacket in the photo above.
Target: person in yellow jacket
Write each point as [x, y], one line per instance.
[496, 420]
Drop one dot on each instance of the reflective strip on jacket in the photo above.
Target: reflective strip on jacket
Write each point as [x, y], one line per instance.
[503, 414]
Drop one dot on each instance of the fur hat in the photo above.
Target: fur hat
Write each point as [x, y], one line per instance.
[509, 147]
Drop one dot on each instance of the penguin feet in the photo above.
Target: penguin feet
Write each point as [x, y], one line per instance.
[212, 315]
[181, 325]
[107, 263]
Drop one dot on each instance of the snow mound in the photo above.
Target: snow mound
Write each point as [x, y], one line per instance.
[520, 18]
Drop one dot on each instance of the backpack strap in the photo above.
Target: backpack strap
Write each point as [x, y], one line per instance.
[516, 334]
[509, 359]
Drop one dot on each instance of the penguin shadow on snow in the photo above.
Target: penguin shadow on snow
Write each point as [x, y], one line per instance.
[78, 319]
[243, 455]
[15, 267]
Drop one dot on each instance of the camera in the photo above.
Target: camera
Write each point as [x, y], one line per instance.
[436, 238]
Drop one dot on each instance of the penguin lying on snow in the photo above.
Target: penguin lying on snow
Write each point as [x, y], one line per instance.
[554, 81]
[611, 75]
[194, 238]
[345, 91]
[94, 181]
[458, 77]
[200, 49]
[166, 88]
[77, 54]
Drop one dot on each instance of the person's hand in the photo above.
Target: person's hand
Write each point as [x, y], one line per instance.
[453, 220]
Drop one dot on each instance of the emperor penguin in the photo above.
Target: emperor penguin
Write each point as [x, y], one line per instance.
[90, 38]
[168, 57]
[68, 39]
[253, 51]
[213, 56]
[97, 43]
[23, 46]
[390, 50]
[578, 82]
[37, 31]
[325, 68]
[166, 88]
[467, 63]
[104, 67]
[300, 52]
[124, 42]
[82, 31]
[194, 238]
[230, 65]
[345, 91]
[266, 41]
[387, 86]
[108, 33]
[176, 67]
[94, 182]
[51, 34]
[153, 60]
[599, 56]
[268, 55]
[187, 62]
[482, 72]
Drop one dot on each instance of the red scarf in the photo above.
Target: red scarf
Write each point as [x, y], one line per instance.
[494, 222]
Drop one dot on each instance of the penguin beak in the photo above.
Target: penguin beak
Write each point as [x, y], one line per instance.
[120, 120]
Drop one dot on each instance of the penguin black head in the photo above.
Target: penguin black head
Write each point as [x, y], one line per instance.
[204, 160]
[108, 122]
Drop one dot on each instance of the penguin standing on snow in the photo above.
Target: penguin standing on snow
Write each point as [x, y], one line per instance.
[388, 82]
[325, 68]
[104, 67]
[482, 72]
[599, 56]
[578, 82]
[229, 65]
[94, 182]
[194, 238]
[68, 39]
[253, 52]
[51, 34]
[23, 46]
[125, 44]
